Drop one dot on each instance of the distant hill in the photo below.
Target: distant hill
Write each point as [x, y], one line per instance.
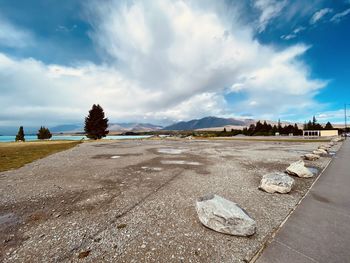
[113, 127]
[133, 127]
[207, 122]
[65, 128]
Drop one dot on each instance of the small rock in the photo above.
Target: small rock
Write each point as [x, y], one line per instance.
[121, 226]
[84, 254]
[311, 157]
[224, 216]
[98, 239]
[56, 215]
[276, 182]
[298, 169]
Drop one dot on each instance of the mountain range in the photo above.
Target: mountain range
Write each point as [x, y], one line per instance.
[207, 122]
[112, 127]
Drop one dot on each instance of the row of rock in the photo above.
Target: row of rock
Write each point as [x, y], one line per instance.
[224, 216]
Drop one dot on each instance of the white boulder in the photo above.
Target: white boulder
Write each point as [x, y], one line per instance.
[276, 182]
[319, 152]
[298, 169]
[322, 151]
[224, 216]
[323, 148]
[311, 156]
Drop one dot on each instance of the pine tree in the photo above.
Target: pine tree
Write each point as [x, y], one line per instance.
[279, 126]
[44, 133]
[95, 123]
[314, 122]
[20, 135]
[274, 130]
[328, 126]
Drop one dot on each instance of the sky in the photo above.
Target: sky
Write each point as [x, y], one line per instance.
[163, 61]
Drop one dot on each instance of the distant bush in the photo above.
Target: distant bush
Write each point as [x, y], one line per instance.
[20, 135]
[44, 133]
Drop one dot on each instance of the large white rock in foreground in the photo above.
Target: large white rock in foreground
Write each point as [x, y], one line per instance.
[298, 169]
[224, 216]
[276, 182]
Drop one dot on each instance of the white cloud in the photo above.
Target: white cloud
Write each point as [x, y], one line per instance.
[165, 60]
[339, 16]
[269, 9]
[334, 116]
[294, 33]
[13, 36]
[319, 15]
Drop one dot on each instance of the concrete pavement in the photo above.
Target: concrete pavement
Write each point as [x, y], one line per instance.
[319, 229]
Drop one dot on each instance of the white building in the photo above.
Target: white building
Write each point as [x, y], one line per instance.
[320, 133]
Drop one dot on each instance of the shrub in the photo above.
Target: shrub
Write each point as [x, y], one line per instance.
[44, 133]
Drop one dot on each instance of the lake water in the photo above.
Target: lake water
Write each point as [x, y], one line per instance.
[73, 138]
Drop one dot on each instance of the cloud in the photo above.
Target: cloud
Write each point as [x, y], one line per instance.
[13, 36]
[163, 61]
[294, 33]
[336, 116]
[339, 16]
[269, 9]
[319, 15]
[66, 29]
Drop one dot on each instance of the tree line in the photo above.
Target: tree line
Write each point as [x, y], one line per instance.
[265, 129]
[314, 125]
[96, 127]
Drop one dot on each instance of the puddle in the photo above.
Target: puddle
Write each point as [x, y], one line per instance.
[313, 170]
[9, 218]
[115, 157]
[179, 162]
[151, 168]
[171, 150]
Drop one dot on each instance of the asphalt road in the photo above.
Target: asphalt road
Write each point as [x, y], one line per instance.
[319, 229]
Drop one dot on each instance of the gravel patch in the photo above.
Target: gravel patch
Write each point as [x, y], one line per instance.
[79, 205]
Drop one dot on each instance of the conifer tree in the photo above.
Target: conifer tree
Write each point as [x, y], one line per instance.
[20, 135]
[95, 123]
[279, 126]
[328, 126]
[44, 133]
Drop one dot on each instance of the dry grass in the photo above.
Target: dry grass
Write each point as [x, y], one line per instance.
[16, 154]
